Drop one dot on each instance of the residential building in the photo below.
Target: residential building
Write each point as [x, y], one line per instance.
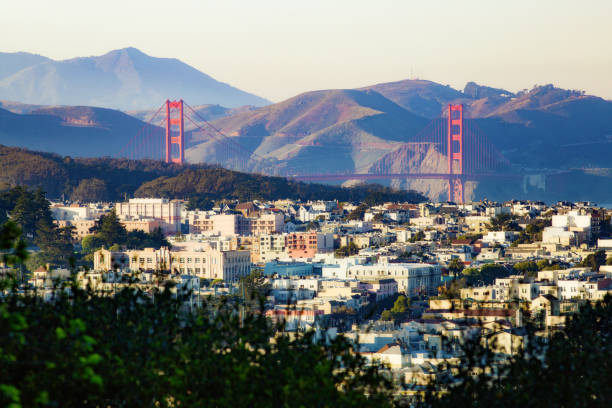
[205, 262]
[412, 279]
[168, 212]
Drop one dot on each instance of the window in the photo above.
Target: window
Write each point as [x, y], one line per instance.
[197, 260]
[188, 260]
[182, 260]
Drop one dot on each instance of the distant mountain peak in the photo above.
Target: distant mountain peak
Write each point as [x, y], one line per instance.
[125, 78]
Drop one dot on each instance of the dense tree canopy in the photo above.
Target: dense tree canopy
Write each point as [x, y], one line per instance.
[128, 351]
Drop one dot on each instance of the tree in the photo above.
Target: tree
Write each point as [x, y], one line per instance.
[455, 266]
[503, 222]
[528, 268]
[357, 213]
[255, 288]
[452, 290]
[108, 230]
[25, 213]
[419, 236]
[401, 305]
[378, 217]
[12, 246]
[90, 190]
[55, 243]
[350, 249]
[386, 315]
[127, 350]
[595, 260]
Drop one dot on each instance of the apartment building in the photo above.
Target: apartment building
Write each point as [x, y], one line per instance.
[82, 228]
[412, 279]
[205, 262]
[234, 224]
[166, 211]
[267, 247]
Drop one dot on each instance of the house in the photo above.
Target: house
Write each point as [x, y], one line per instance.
[549, 304]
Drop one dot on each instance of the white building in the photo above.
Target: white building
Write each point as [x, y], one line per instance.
[412, 279]
[499, 237]
[205, 262]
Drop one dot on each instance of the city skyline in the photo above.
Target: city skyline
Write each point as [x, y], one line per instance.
[277, 50]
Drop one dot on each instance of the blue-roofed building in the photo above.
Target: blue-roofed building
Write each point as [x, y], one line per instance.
[288, 269]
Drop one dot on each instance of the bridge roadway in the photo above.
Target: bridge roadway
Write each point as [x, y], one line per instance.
[386, 176]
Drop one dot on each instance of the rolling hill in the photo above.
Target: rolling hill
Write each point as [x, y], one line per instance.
[332, 130]
[348, 131]
[69, 130]
[124, 79]
[113, 179]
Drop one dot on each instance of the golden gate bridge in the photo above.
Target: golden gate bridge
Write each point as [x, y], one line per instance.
[457, 147]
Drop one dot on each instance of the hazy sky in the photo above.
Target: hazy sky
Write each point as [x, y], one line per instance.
[277, 49]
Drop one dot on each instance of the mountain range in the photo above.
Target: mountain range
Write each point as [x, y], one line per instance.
[126, 79]
[540, 131]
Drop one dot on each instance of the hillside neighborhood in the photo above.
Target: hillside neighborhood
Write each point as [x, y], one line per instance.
[408, 283]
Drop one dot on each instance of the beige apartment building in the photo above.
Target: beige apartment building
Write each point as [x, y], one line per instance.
[82, 228]
[167, 212]
[205, 262]
[267, 247]
[234, 224]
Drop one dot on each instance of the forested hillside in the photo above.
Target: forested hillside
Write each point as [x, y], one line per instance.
[101, 179]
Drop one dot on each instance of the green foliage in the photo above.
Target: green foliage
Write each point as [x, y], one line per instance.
[503, 222]
[595, 260]
[55, 243]
[128, 351]
[113, 179]
[357, 213]
[378, 217]
[386, 315]
[109, 232]
[401, 305]
[27, 208]
[344, 251]
[218, 182]
[419, 236]
[529, 268]
[200, 202]
[12, 247]
[254, 289]
[31, 211]
[90, 190]
[455, 266]
[486, 274]
[452, 289]
[532, 232]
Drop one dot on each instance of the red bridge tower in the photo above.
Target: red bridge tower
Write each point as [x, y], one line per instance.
[175, 132]
[455, 153]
